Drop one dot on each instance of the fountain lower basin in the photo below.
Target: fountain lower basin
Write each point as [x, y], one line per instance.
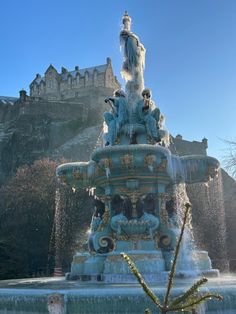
[37, 296]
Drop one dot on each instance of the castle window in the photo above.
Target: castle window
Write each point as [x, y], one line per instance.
[50, 83]
[86, 76]
[41, 87]
[36, 89]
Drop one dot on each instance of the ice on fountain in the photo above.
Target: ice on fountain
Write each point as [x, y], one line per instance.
[108, 172]
[176, 169]
[208, 206]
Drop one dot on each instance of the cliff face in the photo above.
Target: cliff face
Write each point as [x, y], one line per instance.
[32, 129]
[24, 139]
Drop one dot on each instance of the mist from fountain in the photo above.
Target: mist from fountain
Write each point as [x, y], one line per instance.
[208, 207]
[186, 265]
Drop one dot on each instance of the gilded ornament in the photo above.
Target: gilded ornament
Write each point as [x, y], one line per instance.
[127, 161]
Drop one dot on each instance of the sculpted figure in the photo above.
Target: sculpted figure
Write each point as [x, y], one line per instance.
[144, 216]
[150, 204]
[134, 58]
[149, 115]
[117, 204]
[117, 118]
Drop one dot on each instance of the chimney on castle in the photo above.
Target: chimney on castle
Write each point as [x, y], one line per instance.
[179, 137]
[205, 142]
[23, 95]
[76, 68]
[108, 60]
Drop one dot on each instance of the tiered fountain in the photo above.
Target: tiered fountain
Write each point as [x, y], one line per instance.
[135, 178]
[139, 190]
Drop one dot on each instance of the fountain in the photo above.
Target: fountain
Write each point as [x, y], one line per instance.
[138, 181]
[139, 189]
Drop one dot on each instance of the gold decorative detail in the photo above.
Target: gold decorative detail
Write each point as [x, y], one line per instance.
[163, 212]
[79, 259]
[105, 219]
[127, 160]
[133, 237]
[149, 160]
[106, 163]
[117, 141]
[162, 165]
[135, 257]
[113, 258]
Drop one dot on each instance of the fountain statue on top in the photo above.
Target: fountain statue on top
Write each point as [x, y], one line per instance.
[139, 185]
[135, 119]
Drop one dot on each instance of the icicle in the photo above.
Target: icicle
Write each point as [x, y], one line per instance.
[108, 172]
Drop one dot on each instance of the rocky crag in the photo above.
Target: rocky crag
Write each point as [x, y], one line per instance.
[62, 117]
[30, 130]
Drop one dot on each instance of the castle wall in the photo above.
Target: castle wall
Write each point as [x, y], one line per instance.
[66, 85]
[182, 147]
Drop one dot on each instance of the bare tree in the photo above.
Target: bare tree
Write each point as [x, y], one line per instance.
[229, 161]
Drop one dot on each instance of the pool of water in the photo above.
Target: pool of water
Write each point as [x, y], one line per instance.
[58, 296]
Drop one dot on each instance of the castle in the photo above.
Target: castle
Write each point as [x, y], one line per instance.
[72, 84]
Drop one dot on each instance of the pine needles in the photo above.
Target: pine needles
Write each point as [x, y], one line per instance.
[190, 299]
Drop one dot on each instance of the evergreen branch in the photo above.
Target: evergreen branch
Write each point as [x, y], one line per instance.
[141, 280]
[173, 267]
[192, 304]
[189, 292]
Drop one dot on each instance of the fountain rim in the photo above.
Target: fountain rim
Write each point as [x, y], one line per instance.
[195, 156]
[130, 148]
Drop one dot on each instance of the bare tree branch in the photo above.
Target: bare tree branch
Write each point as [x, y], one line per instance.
[229, 160]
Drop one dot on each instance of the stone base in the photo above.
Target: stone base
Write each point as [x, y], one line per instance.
[111, 267]
[151, 263]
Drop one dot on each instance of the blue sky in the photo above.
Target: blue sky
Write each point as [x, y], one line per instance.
[190, 60]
